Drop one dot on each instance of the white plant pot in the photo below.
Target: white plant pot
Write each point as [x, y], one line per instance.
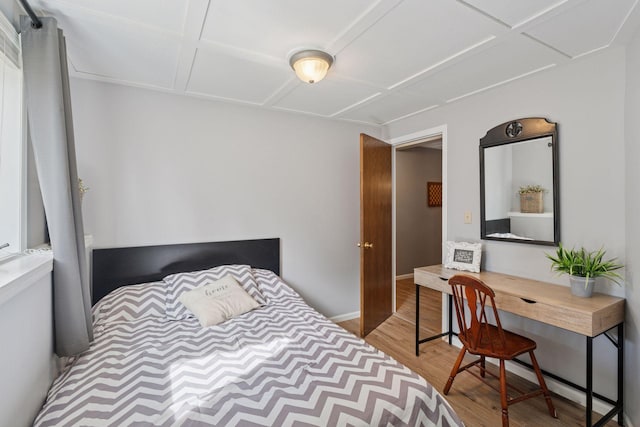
[581, 286]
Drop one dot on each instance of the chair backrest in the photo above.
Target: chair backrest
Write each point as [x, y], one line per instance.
[473, 324]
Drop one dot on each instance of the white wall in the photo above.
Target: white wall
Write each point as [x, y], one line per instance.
[170, 169]
[586, 99]
[27, 360]
[418, 226]
[632, 150]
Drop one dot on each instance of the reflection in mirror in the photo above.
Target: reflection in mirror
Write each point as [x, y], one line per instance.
[509, 168]
[518, 192]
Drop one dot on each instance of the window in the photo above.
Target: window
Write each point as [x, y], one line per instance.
[12, 145]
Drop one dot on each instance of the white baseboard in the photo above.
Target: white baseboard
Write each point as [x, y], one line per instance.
[627, 421]
[347, 316]
[404, 276]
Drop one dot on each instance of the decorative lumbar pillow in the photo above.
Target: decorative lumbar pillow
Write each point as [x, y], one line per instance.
[184, 282]
[218, 301]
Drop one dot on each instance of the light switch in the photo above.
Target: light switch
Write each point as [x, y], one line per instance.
[467, 217]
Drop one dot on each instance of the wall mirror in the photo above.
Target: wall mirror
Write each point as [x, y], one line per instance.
[519, 188]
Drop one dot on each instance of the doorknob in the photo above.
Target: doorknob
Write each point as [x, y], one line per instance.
[365, 245]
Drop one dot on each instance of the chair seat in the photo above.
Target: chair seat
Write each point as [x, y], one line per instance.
[491, 346]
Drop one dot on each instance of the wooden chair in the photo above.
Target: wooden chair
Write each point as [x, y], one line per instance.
[480, 338]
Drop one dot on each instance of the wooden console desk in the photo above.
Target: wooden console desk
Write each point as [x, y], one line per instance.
[547, 303]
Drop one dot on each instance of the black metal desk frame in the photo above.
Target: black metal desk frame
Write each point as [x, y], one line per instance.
[618, 342]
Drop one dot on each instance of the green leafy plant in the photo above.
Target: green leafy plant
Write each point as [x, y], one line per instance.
[531, 189]
[584, 263]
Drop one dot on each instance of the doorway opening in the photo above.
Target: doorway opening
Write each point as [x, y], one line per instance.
[418, 221]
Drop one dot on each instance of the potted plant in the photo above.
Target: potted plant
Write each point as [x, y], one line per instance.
[531, 198]
[583, 267]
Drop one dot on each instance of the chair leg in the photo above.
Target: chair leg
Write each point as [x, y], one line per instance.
[543, 385]
[483, 368]
[503, 394]
[454, 370]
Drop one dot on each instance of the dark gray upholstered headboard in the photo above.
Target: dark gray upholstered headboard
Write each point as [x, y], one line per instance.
[115, 267]
[502, 225]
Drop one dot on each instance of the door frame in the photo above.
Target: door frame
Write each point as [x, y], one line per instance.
[405, 140]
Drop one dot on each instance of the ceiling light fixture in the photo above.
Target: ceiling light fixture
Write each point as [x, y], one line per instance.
[311, 66]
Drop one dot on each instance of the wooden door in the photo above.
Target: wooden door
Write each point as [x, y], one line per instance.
[375, 233]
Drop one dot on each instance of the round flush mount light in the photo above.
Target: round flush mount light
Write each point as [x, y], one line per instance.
[311, 66]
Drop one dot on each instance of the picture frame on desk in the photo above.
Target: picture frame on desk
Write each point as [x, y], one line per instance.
[463, 256]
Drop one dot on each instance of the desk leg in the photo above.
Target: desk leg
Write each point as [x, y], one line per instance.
[621, 373]
[589, 380]
[618, 405]
[417, 319]
[450, 301]
[448, 333]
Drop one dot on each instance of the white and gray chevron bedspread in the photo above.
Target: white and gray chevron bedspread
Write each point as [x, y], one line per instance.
[283, 364]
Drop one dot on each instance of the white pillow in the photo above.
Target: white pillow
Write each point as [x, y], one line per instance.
[183, 282]
[218, 301]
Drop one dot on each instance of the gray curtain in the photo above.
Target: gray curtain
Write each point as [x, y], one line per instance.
[46, 81]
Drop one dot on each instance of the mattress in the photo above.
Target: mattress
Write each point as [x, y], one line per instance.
[283, 364]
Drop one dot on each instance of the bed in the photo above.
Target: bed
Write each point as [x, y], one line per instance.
[281, 364]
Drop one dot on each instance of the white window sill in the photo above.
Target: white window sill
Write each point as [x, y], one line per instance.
[21, 271]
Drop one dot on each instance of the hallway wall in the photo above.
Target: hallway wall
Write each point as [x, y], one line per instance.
[418, 227]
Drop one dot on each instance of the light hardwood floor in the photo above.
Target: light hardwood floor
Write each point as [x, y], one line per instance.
[476, 403]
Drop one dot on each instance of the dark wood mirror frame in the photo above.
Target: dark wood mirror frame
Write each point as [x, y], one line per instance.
[510, 132]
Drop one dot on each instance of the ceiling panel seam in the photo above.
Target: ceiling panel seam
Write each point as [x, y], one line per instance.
[548, 46]
[624, 21]
[411, 114]
[129, 22]
[441, 63]
[367, 19]
[195, 17]
[520, 76]
[357, 104]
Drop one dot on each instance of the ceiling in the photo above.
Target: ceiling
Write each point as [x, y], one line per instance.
[394, 58]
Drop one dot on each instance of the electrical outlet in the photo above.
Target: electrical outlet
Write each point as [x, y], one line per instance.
[467, 217]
